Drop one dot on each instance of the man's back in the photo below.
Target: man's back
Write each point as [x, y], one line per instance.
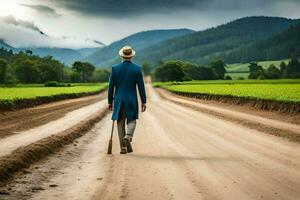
[126, 74]
[122, 89]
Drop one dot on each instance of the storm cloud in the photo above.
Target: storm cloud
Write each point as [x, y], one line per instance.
[111, 20]
[21, 34]
[43, 9]
[128, 8]
[10, 20]
[119, 8]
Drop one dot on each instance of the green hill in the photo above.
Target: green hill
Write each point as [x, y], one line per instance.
[139, 41]
[203, 46]
[280, 46]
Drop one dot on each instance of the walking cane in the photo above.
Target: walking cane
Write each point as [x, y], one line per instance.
[109, 150]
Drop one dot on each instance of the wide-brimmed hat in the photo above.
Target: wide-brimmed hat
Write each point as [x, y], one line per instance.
[126, 52]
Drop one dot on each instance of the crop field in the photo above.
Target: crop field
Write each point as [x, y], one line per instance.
[22, 96]
[243, 67]
[11, 93]
[277, 90]
[238, 75]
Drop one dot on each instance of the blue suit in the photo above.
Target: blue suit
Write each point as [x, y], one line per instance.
[122, 89]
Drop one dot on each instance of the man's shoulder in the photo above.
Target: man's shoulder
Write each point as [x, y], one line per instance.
[116, 65]
[136, 67]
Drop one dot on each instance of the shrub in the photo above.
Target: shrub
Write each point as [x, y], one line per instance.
[56, 84]
[228, 77]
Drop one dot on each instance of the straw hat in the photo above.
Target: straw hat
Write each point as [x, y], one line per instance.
[126, 52]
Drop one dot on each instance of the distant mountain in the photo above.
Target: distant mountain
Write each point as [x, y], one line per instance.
[280, 46]
[203, 46]
[66, 56]
[4, 45]
[139, 41]
[85, 52]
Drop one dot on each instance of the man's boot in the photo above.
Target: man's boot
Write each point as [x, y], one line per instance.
[123, 150]
[127, 139]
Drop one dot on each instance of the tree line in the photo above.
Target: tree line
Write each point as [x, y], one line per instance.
[290, 70]
[23, 67]
[185, 71]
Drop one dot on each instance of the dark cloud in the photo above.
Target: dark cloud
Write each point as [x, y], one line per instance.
[119, 8]
[25, 24]
[125, 8]
[43, 9]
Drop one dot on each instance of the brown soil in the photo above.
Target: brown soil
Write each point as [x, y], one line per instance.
[25, 156]
[216, 108]
[12, 122]
[12, 105]
[261, 104]
[179, 153]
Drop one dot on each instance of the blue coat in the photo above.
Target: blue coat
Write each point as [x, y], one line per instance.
[122, 89]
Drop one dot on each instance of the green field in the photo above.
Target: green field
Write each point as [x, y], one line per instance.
[239, 75]
[240, 70]
[243, 67]
[36, 90]
[277, 90]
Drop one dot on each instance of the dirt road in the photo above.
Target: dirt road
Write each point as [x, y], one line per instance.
[179, 153]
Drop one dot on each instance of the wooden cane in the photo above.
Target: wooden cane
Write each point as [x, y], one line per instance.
[109, 150]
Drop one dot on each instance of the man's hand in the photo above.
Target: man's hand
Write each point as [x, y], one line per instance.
[110, 107]
[144, 107]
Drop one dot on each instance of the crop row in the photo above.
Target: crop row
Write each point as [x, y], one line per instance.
[23, 97]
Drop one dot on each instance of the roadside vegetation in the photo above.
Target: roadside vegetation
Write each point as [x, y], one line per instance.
[278, 92]
[24, 96]
[278, 95]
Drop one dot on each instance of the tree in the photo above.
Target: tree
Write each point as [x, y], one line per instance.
[29, 52]
[196, 72]
[51, 70]
[3, 70]
[146, 68]
[100, 75]
[273, 72]
[255, 71]
[169, 71]
[293, 69]
[218, 67]
[85, 70]
[67, 74]
[282, 68]
[28, 72]
[228, 77]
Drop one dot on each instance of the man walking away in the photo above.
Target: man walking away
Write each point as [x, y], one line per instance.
[122, 96]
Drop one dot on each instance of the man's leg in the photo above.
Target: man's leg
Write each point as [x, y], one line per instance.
[121, 129]
[128, 138]
[130, 129]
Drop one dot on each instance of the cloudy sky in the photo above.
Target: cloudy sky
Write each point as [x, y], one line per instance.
[81, 23]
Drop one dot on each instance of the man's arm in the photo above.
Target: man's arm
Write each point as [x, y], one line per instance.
[141, 87]
[111, 87]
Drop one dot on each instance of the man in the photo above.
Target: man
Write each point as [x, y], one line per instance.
[122, 96]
